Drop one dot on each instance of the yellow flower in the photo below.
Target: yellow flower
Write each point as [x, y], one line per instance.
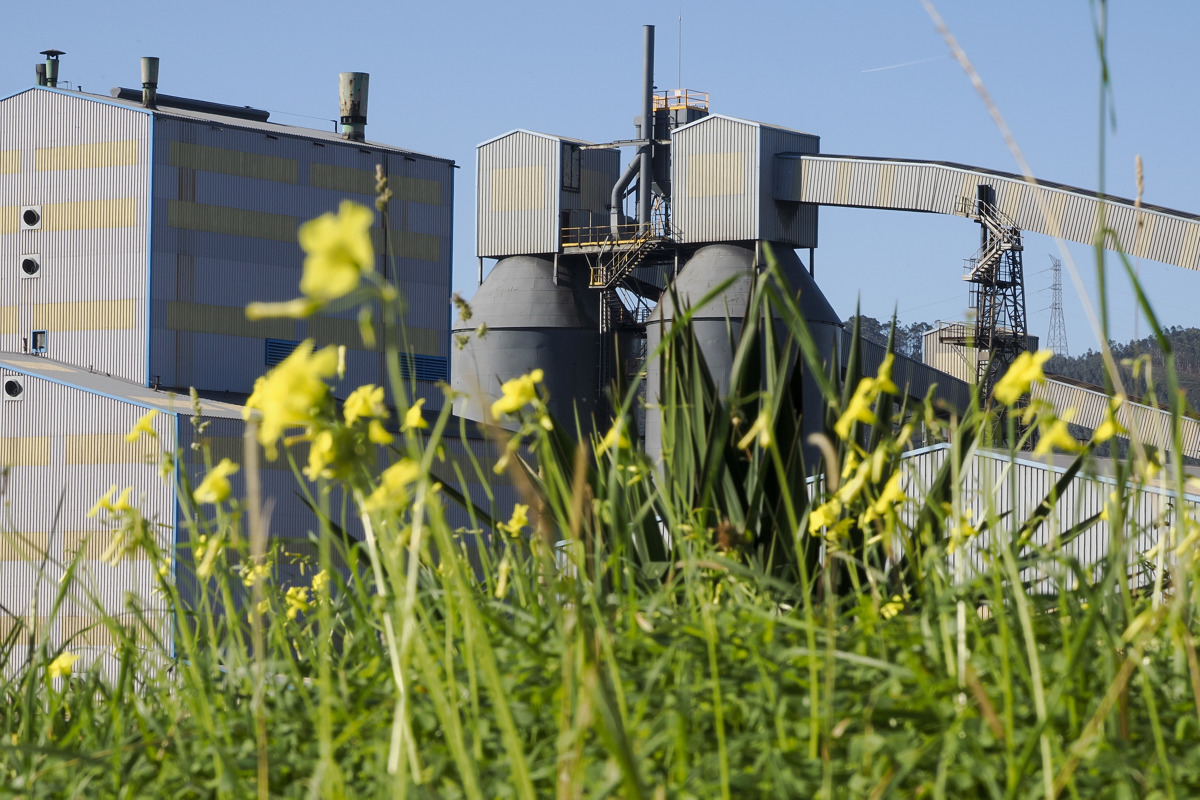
[519, 519]
[1056, 435]
[215, 486]
[1111, 426]
[61, 666]
[614, 438]
[377, 434]
[393, 485]
[320, 582]
[107, 503]
[365, 402]
[858, 409]
[517, 393]
[760, 430]
[1025, 371]
[143, 426]
[321, 454]
[892, 607]
[339, 251]
[292, 393]
[883, 376]
[296, 599]
[888, 499]
[413, 418]
[824, 515]
[254, 573]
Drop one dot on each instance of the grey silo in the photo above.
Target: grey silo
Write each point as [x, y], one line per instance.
[535, 319]
[717, 326]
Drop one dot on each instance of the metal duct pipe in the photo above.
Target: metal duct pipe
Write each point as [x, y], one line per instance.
[39, 71]
[616, 201]
[149, 81]
[646, 178]
[352, 92]
[52, 66]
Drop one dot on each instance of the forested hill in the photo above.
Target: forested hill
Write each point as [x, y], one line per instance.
[1089, 367]
[1145, 359]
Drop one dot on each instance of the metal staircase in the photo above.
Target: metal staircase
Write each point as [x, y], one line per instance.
[997, 290]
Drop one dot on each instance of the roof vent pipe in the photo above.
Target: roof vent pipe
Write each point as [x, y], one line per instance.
[645, 193]
[52, 66]
[39, 69]
[352, 92]
[149, 81]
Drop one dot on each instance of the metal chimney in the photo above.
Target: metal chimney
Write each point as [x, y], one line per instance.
[149, 81]
[352, 92]
[52, 66]
[39, 70]
[645, 193]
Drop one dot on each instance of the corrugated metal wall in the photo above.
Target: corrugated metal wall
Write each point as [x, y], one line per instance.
[953, 359]
[1164, 235]
[518, 191]
[85, 163]
[715, 180]
[783, 221]
[993, 483]
[228, 203]
[1149, 425]
[67, 447]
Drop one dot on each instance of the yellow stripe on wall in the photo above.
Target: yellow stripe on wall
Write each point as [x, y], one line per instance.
[518, 188]
[422, 246]
[714, 174]
[9, 219]
[25, 451]
[331, 330]
[23, 546]
[234, 162]
[232, 221]
[10, 162]
[86, 156]
[8, 319]
[87, 315]
[109, 448]
[22, 626]
[360, 181]
[93, 544]
[89, 214]
[228, 320]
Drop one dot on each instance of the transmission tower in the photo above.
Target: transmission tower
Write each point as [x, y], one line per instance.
[1056, 340]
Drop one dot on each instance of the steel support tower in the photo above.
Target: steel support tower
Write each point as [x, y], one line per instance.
[1056, 339]
[997, 283]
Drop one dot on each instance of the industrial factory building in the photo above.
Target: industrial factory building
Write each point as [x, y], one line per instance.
[134, 229]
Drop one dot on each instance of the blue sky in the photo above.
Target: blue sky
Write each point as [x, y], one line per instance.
[446, 76]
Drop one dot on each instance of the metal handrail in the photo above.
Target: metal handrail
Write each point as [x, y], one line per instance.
[674, 99]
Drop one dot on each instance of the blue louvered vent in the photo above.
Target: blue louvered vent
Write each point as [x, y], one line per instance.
[424, 368]
[278, 350]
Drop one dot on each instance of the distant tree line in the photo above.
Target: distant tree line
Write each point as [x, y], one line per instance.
[908, 337]
[1141, 365]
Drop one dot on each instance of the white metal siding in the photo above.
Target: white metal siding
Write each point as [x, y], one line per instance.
[517, 194]
[91, 293]
[715, 180]
[1164, 235]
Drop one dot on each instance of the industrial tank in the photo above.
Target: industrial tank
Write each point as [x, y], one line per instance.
[533, 322]
[710, 266]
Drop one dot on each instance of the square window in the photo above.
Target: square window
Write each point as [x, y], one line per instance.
[38, 342]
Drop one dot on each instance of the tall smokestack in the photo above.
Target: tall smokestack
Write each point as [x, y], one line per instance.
[149, 81]
[52, 66]
[352, 92]
[645, 177]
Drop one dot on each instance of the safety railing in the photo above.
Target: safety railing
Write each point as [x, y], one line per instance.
[674, 99]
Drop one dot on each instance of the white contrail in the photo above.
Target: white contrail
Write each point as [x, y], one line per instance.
[906, 64]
